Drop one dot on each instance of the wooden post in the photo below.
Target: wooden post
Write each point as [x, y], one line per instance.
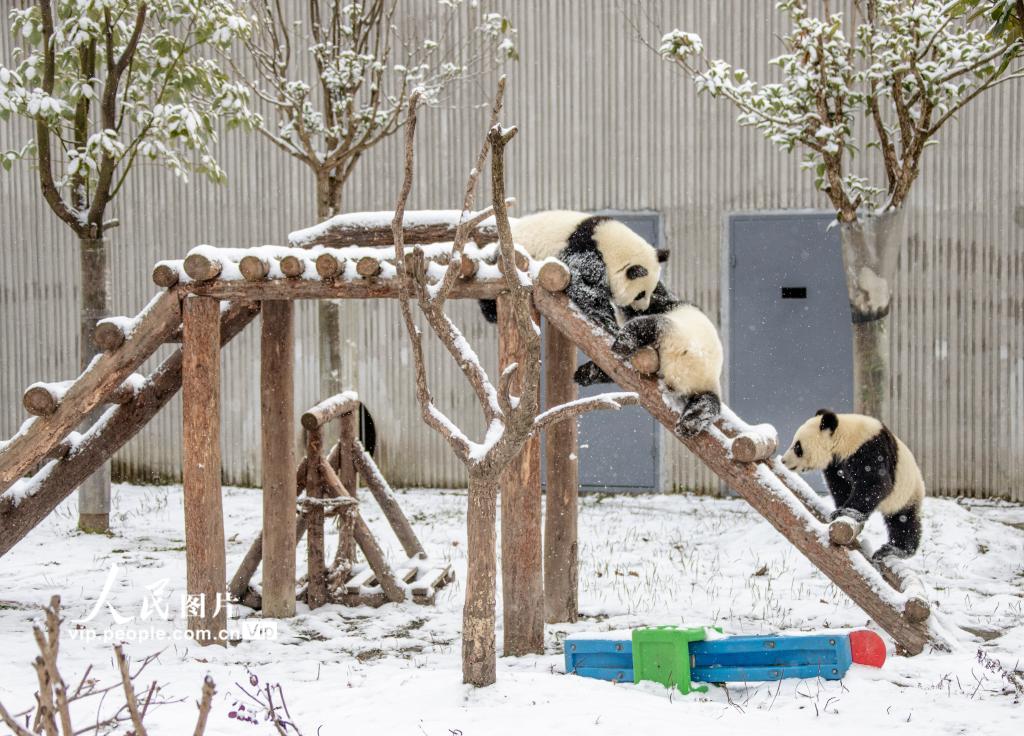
[206, 567]
[521, 575]
[349, 434]
[316, 569]
[277, 416]
[561, 572]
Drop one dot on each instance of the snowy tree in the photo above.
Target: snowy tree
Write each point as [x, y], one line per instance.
[906, 67]
[1006, 17]
[107, 84]
[336, 78]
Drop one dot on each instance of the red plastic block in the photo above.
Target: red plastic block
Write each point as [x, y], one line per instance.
[867, 647]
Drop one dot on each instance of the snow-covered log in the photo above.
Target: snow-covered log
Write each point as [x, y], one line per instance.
[759, 483]
[374, 229]
[328, 409]
[166, 273]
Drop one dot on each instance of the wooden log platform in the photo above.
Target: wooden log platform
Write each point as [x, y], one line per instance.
[766, 488]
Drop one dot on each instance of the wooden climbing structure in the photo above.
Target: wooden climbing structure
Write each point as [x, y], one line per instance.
[214, 293]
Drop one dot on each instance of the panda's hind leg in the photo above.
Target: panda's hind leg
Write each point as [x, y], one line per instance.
[700, 410]
[904, 533]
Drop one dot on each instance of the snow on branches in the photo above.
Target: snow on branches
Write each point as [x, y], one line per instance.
[108, 81]
[907, 66]
[367, 60]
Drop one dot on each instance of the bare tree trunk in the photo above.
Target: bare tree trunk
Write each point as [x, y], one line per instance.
[478, 641]
[871, 247]
[94, 493]
[332, 382]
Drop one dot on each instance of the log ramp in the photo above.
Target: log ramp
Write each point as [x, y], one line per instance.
[46, 460]
[780, 496]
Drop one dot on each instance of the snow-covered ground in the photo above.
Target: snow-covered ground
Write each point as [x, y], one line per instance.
[644, 560]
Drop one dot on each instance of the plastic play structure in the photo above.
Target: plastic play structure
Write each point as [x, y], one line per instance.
[213, 294]
[681, 657]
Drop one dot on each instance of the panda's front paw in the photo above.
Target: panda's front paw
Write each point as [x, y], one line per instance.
[589, 374]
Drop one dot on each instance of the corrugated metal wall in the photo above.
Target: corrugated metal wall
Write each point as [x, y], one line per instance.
[603, 124]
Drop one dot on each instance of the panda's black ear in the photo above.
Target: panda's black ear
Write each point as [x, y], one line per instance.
[829, 420]
[662, 255]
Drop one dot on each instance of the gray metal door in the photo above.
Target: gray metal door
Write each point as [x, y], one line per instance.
[790, 350]
[619, 449]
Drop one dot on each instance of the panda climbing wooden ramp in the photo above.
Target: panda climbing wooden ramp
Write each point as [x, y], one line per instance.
[782, 498]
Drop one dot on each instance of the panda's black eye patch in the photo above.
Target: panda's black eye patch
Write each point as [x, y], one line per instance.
[635, 272]
[798, 450]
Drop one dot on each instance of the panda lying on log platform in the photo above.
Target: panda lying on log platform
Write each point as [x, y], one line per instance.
[613, 271]
[866, 468]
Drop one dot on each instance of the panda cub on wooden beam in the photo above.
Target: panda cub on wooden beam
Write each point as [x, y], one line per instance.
[613, 271]
[689, 357]
[867, 468]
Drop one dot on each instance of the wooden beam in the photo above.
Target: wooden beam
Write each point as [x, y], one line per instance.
[206, 567]
[277, 427]
[27, 448]
[331, 408]
[313, 289]
[765, 488]
[561, 559]
[101, 442]
[521, 550]
[385, 498]
[348, 435]
[316, 566]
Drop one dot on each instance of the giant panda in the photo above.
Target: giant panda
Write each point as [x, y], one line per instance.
[689, 357]
[611, 267]
[867, 468]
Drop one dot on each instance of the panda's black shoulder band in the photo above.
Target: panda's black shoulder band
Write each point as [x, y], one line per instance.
[582, 238]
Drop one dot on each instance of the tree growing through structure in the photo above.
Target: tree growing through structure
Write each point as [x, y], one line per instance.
[907, 67]
[510, 419]
[336, 79]
[107, 85]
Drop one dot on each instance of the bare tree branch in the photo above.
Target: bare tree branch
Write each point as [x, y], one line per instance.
[611, 400]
